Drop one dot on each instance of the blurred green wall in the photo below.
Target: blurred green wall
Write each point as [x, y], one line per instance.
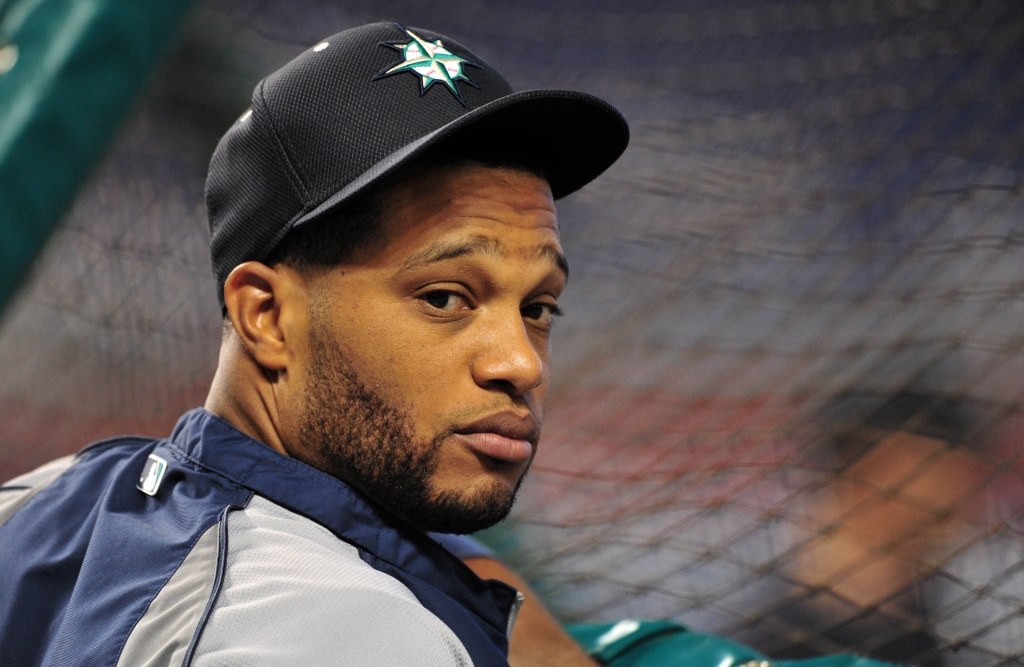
[69, 71]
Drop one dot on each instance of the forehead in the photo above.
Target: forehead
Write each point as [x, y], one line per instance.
[513, 208]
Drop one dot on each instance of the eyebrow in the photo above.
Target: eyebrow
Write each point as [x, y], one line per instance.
[479, 245]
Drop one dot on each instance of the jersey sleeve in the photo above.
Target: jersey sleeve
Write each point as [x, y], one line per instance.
[361, 628]
[293, 594]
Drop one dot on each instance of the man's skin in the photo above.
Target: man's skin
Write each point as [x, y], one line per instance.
[448, 314]
[891, 507]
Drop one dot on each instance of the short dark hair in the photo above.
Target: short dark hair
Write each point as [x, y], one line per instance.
[331, 241]
[856, 419]
[327, 243]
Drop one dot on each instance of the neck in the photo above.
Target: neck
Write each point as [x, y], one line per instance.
[242, 395]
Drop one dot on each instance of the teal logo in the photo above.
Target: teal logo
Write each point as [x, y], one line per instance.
[152, 475]
[430, 62]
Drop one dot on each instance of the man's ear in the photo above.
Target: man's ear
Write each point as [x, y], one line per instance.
[265, 304]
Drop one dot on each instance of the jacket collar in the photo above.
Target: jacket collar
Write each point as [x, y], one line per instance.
[221, 448]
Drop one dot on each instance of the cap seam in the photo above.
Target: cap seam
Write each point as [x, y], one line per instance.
[294, 176]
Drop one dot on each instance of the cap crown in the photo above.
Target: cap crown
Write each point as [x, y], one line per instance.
[325, 119]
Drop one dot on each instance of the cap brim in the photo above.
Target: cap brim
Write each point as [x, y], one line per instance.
[573, 137]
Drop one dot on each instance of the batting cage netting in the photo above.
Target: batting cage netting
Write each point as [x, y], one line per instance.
[787, 402]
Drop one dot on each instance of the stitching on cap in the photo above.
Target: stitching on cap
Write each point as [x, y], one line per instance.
[293, 174]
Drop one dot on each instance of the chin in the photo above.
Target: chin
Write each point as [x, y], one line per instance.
[507, 476]
[461, 511]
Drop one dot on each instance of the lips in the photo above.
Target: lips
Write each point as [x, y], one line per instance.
[505, 436]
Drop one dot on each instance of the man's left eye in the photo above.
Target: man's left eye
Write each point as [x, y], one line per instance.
[542, 312]
[443, 300]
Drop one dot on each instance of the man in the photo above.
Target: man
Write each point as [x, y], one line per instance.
[385, 246]
[910, 463]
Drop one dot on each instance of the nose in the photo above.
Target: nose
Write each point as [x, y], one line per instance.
[508, 359]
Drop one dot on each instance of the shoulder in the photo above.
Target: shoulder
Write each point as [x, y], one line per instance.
[92, 466]
[31, 483]
[18, 491]
[293, 593]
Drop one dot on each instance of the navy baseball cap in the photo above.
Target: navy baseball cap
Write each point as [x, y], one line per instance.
[359, 105]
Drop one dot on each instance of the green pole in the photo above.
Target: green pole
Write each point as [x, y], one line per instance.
[69, 71]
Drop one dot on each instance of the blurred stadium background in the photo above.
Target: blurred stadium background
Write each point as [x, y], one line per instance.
[788, 393]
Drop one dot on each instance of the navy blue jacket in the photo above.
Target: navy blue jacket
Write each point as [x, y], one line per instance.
[85, 554]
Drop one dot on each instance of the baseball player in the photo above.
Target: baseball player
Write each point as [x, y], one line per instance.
[386, 251]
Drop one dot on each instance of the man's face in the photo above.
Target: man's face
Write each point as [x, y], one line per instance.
[428, 356]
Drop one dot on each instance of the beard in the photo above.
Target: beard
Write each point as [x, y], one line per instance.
[366, 439]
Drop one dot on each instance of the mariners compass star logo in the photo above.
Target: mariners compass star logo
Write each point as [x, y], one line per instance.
[431, 63]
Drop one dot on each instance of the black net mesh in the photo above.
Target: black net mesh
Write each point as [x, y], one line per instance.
[787, 402]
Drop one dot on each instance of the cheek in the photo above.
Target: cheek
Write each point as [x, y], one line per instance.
[423, 366]
[437, 380]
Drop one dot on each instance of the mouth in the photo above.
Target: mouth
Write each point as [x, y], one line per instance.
[505, 436]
